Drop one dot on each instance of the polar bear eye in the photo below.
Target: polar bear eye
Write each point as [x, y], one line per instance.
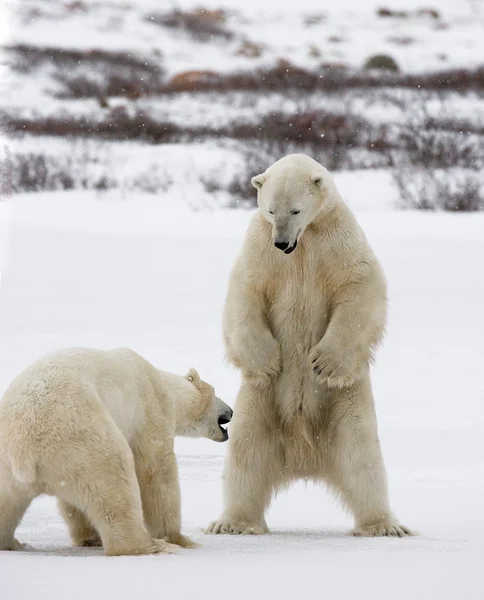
[271, 212]
[295, 212]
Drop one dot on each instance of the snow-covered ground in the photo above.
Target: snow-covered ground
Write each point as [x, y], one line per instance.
[50, 77]
[307, 32]
[150, 272]
[102, 271]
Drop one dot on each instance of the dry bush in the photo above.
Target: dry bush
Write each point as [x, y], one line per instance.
[284, 77]
[442, 158]
[92, 73]
[449, 190]
[390, 13]
[85, 166]
[128, 82]
[431, 136]
[281, 77]
[38, 172]
[118, 124]
[32, 172]
[456, 80]
[257, 157]
[436, 148]
[343, 139]
[202, 24]
[28, 58]
[152, 181]
[404, 14]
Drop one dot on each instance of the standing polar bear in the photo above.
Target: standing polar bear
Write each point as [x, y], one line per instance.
[305, 310]
[96, 430]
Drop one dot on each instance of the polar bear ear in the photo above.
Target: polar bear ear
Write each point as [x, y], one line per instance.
[318, 179]
[258, 180]
[193, 376]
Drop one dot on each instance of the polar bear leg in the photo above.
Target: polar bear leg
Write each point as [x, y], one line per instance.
[81, 530]
[13, 505]
[253, 468]
[103, 485]
[157, 473]
[357, 468]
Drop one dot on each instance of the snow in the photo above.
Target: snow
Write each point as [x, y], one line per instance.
[150, 272]
[360, 32]
[105, 271]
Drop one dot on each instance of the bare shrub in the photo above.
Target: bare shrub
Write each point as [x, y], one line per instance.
[27, 58]
[404, 14]
[128, 82]
[330, 134]
[92, 73]
[313, 19]
[83, 166]
[202, 24]
[152, 181]
[431, 136]
[118, 124]
[450, 190]
[32, 172]
[436, 148]
[284, 77]
[256, 159]
[343, 139]
[390, 13]
[442, 157]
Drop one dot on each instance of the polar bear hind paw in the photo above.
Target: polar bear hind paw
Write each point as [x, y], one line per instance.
[164, 547]
[234, 527]
[382, 529]
[182, 540]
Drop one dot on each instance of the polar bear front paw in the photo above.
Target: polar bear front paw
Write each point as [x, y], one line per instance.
[181, 540]
[335, 369]
[235, 527]
[262, 359]
[18, 546]
[381, 529]
[163, 547]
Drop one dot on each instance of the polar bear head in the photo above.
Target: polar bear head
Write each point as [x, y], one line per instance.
[291, 194]
[205, 414]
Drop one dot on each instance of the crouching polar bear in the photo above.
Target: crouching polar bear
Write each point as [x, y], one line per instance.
[96, 429]
[305, 310]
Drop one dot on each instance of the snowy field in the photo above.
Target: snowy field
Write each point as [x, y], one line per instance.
[145, 265]
[104, 272]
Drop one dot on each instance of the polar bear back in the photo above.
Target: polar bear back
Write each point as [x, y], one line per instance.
[69, 389]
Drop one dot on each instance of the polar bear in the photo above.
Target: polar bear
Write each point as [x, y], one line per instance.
[96, 429]
[304, 313]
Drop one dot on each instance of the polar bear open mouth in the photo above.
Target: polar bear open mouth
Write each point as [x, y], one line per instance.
[224, 421]
[291, 249]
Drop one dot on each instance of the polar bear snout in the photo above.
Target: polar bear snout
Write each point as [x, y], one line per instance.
[281, 245]
[285, 246]
[225, 417]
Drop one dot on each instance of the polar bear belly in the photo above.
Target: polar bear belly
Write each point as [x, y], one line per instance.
[298, 319]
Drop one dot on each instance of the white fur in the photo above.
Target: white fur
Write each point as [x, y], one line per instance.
[96, 429]
[302, 328]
